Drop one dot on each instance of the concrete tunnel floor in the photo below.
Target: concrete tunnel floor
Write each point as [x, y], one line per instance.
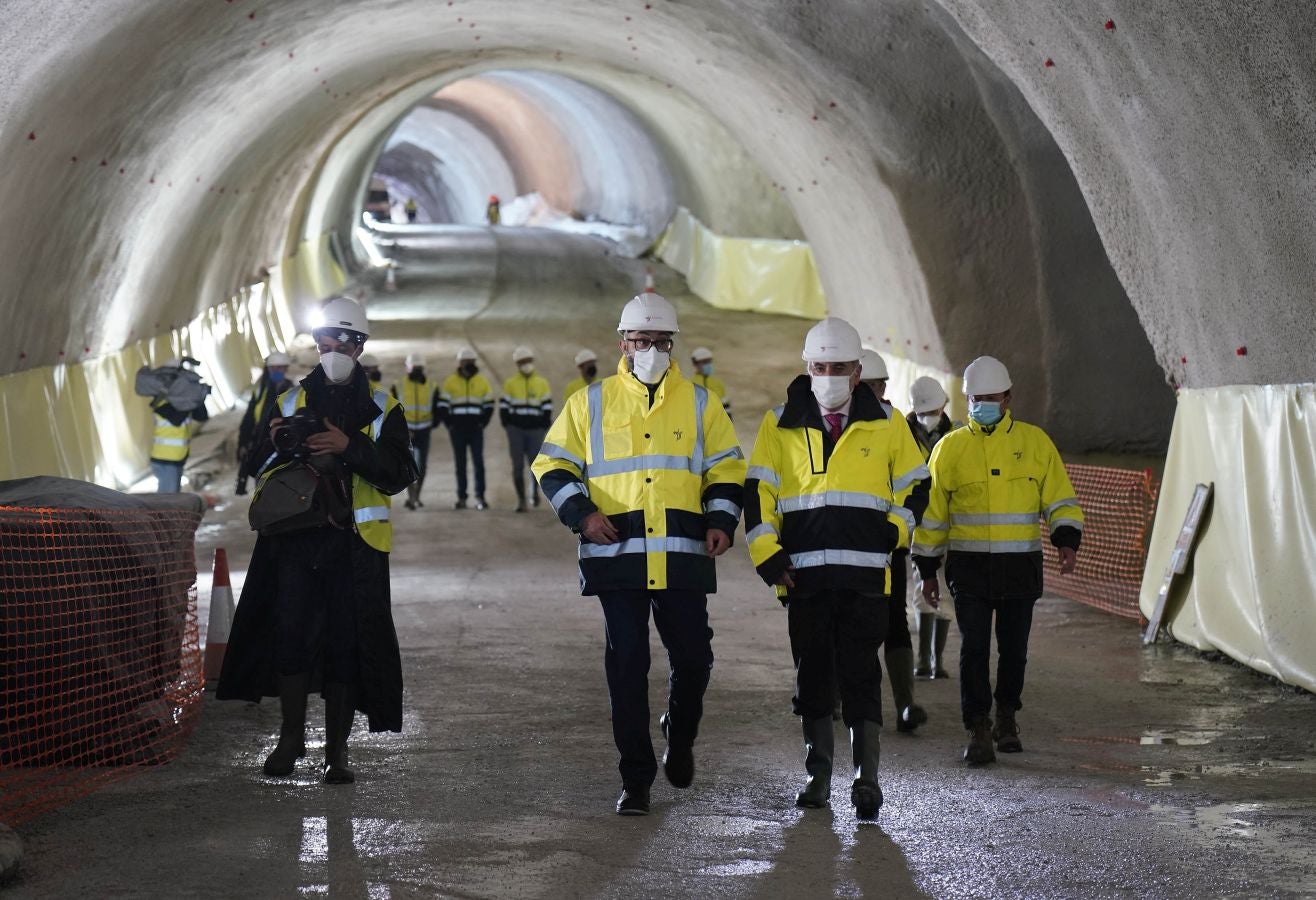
[1146, 772]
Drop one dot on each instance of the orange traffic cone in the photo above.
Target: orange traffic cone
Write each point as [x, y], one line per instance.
[648, 280]
[221, 619]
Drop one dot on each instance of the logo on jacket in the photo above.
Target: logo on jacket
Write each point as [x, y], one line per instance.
[1018, 454]
[865, 451]
[677, 433]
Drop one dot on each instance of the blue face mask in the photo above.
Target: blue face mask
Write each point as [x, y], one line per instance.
[276, 377]
[706, 368]
[985, 412]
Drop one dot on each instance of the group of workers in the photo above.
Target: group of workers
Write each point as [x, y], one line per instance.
[838, 493]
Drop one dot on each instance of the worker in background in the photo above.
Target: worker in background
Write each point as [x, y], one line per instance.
[991, 483]
[898, 647]
[410, 207]
[702, 360]
[929, 423]
[273, 381]
[466, 403]
[834, 487]
[315, 606]
[420, 404]
[171, 442]
[644, 465]
[370, 363]
[587, 366]
[491, 213]
[525, 411]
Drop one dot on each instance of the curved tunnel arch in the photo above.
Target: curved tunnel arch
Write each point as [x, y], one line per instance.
[929, 201]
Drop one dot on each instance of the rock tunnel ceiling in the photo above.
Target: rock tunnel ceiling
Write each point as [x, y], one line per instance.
[1128, 215]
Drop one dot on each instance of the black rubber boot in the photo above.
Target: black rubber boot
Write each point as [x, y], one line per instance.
[339, 711]
[865, 793]
[634, 800]
[292, 733]
[939, 648]
[1006, 732]
[678, 758]
[518, 482]
[819, 748]
[979, 749]
[900, 672]
[925, 627]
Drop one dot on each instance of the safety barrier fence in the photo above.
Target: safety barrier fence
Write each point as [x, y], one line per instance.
[100, 664]
[1118, 508]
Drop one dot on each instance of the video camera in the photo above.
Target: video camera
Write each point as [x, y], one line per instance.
[290, 435]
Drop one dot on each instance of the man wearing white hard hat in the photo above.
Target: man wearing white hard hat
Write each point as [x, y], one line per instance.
[419, 396]
[834, 486]
[525, 411]
[370, 363]
[179, 407]
[701, 358]
[644, 465]
[466, 405]
[316, 596]
[992, 481]
[273, 381]
[897, 647]
[587, 365]
[929, 423]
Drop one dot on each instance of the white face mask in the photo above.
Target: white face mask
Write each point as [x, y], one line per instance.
[930, 421]
[338, 367]
[526, 368]
[831, 391]
[650, 365]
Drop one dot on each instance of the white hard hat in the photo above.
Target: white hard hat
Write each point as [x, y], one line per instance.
[414, 360]
[278, 359]
[522, 352]
[832, 340]
[701, 354]
[873, 366]
[986, 375]
[648, 312]
[368, 361]
[345, 313]
[926, 395]
[584, 356]
[466, 353]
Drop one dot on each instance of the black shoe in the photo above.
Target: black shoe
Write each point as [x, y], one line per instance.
[520, 507]
[867, 800]
[634, 800]
[410, 504]
[419, 504]
[979, 750]
[909, 718]
[1006, 733]
[460, 504]
[534, 500]
[939, 672]
[678, 762]
[480, 504]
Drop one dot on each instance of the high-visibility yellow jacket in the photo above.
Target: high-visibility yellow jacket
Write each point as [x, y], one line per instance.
[170, 442]
[418, 399]
[527, 401]
[370, 506]
[715, 386]
[576, 384]
[465, 402]
[835, 511]
[990, 489]
[662, 474]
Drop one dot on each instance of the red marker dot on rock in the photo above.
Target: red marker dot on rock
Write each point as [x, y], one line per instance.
[31, 135]
[1241, 351]
[1048, 63]
[1183, 359]
[1110, 24]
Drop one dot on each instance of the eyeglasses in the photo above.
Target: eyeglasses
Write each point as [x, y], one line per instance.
[662, 345]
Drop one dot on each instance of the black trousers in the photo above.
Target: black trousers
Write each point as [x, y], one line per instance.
[468, 438]
[420, 450]
[842, 629]
[1014, 621]
[897, 632]
[314, 609]
[682, 621]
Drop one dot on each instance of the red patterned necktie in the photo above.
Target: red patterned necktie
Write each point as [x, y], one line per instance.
[834, 425]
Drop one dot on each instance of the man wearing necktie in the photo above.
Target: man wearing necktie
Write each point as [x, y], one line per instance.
[835, 485]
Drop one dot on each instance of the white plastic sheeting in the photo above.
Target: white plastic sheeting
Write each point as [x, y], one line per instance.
[1249, 588]
[533, 210]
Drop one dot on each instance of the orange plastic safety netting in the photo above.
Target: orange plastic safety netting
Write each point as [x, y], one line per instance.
[99, 659]
[1118, 508]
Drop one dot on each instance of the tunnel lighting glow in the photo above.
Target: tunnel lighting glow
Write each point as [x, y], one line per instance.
[316, 318]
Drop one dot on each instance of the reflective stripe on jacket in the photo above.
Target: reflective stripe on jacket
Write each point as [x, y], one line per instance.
[663, 475]
[370, 506]
[834, 511]
[990, 488]
[527, 401]
[466, 401]
[170, 442]
[418, 400]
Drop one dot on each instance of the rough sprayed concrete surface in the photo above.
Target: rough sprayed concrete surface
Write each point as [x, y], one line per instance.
[1147, 773]
[944, 217]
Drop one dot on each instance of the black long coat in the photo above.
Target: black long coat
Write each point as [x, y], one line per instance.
[249, 669]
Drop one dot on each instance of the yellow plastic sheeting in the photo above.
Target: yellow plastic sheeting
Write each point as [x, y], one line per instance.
[757, 274]
[1251, 580]
[85, 421]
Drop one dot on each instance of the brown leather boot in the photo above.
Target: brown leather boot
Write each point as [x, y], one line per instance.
[1006, 732]
[979, 749]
